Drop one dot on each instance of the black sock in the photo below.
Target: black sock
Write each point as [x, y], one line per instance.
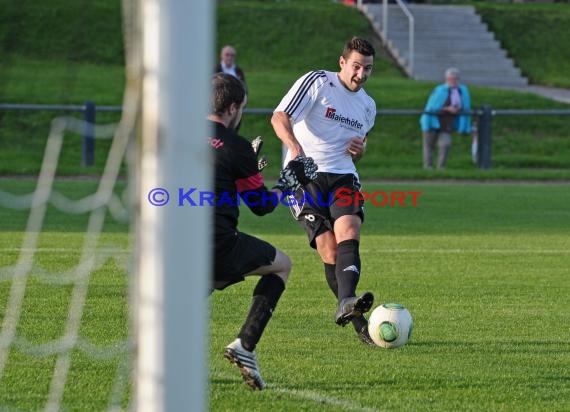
[330, 274]
[358, 322]
[265, 297]
[347, 268]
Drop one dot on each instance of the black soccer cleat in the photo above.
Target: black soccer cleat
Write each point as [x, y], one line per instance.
[364, 336]
[352, 307]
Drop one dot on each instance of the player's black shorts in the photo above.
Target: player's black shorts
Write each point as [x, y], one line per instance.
[323, 201]
[236, 256]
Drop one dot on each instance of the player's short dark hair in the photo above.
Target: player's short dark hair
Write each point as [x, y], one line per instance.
[358, 45]
[226, 89]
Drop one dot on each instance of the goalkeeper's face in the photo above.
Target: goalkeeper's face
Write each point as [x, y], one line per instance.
[355, 70]
[235, 113]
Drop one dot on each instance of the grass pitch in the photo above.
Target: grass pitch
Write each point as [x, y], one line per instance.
[483, 268]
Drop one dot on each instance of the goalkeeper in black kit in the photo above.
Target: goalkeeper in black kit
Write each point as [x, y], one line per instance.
[237, 254]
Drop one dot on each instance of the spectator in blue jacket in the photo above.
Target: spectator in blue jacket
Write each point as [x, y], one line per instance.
[445, 104]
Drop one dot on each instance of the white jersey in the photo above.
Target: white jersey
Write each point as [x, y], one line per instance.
[325, 116]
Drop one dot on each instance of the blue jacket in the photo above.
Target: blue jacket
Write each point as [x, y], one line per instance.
[435, 103]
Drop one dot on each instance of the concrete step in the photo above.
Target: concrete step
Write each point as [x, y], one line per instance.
[450, 49]
[467, 59]
[429, 9]
[447, 42]
[425, 22]
[443, 14]
[481, 66]
[441, 35]
[465, 70]
[458, 54]
[447, 36]
[481, 81]
[501, 76]
[460, 31]
[437, 74]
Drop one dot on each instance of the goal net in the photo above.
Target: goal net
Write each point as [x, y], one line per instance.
[95, 290]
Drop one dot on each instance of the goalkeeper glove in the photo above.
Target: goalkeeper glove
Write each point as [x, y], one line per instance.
[257, 144]
[298, 172]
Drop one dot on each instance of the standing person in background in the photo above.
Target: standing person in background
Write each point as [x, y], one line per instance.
[447, 100]
[228, 63]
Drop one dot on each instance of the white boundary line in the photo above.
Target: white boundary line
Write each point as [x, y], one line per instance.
[312, 396]
[473, 251]
[62, 249]
[322, 399]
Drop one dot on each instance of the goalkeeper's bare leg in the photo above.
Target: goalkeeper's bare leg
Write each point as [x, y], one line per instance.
[265, 297]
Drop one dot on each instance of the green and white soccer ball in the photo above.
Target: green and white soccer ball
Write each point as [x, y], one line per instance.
[390, 325]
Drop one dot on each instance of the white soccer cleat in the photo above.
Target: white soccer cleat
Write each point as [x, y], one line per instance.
[246, 361]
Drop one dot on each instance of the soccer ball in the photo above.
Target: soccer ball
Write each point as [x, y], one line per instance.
[390, 325]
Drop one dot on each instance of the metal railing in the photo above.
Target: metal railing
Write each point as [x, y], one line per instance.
[89, 110]
[411, 31]
[484, 117]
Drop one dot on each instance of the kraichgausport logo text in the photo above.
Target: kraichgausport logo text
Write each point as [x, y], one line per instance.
[341, 197]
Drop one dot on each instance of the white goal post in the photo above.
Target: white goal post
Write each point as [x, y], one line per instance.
[173, 264]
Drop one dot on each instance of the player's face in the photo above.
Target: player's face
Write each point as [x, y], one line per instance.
[355, 70]
[236, 113]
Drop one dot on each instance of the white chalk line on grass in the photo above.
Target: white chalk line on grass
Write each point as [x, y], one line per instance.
[307, 395]
[322, 399]
[475, 251]
[61, 250]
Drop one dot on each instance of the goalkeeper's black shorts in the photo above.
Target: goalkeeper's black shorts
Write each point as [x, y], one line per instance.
[320, 203]
[238, 255]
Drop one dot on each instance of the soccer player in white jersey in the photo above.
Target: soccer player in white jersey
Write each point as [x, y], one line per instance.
[327, 116]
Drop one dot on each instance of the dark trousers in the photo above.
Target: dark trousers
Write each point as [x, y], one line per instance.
[432, 138]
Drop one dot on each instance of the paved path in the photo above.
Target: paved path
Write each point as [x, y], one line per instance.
[554, 93]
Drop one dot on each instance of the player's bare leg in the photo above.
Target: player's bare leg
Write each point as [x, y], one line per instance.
[281, 266]
[326, 246]
[347, 228]
[265, 296]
